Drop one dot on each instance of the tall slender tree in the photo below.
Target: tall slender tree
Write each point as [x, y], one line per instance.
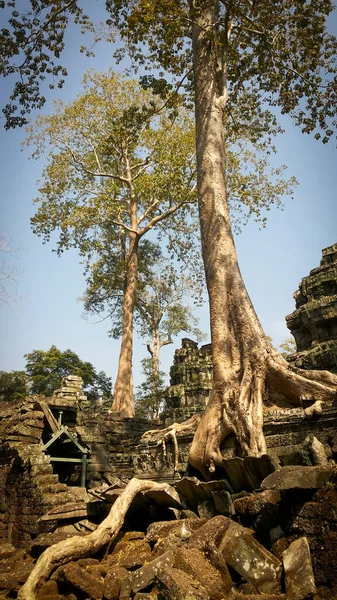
[116, 172]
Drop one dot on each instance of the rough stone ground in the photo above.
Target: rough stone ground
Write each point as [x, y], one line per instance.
[277, 542]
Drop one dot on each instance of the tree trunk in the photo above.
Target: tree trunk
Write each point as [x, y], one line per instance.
[123, 391]
[154, 350]
[243, 358]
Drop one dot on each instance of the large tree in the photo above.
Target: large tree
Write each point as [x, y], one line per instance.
[236, 57]
[116, 173]
[243, 56]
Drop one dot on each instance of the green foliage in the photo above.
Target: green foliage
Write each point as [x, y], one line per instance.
[277, 53]
[150, 394]
[287, 347]
[162, 311]
[115, 170]
[29, 45]
[13, 386]
[46, 369]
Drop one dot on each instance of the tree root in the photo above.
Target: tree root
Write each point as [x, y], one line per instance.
[79, 547]
[236, 406]
[161, 436]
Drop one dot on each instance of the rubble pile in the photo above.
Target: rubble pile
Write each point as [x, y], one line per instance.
[199, 541]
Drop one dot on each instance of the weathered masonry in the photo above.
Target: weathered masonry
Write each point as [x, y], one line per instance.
[314, 322]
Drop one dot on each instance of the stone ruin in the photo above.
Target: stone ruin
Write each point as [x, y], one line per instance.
[266, 529]
[314, 322]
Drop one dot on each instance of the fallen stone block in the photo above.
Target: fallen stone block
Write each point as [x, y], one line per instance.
[255, 504]
[194, 563]
[153, 595]
[178, 533]
[49, 591]
[143, 577]
[45, 540]
[113, 582]
[183, 528]
[16, 575]
[316, 449]
[223, 503]
[218, 562]
[247, 473]
[6, 550]
[130, 554]
[236, 595]
[211, 532]
[177, 585]
[194, 491]
[297, 477]
[206, 509]
[251, 560]
[299, 576]
[69, 510]
[81, 580]
[168, 498]
[259, 510]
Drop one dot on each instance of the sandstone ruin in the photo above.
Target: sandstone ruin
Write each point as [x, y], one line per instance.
[267, 528]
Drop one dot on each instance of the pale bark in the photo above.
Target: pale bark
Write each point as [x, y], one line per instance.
[172, 433]
[123, 402]
[123, 391]
[243, 358]
[80, 547]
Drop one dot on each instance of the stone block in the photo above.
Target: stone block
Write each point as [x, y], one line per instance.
[194, 563]
[131, 554]
[259, 510]
[278, 547]
[177, 585]
[143, 577]
[206, 509]
[247, 473]
[80, 579]
[193, 491]
[210, 533]
[255, 504]
[316, 449]
[113, 582]
[49, 591]
[6, 550]
[251, 560]
[16, 575]
[299, 576]
[297, 477]
[218, 562]
[150, 596]
[45, 540]
[223, 503]
[168, 498]
[181, 530]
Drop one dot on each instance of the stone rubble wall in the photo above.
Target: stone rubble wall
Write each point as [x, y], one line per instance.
[27, 483]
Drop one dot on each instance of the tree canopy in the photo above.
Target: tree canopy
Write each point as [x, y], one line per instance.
[45, 370]
[13, 386]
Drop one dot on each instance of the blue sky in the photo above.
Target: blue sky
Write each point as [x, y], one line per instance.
[272, 260]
